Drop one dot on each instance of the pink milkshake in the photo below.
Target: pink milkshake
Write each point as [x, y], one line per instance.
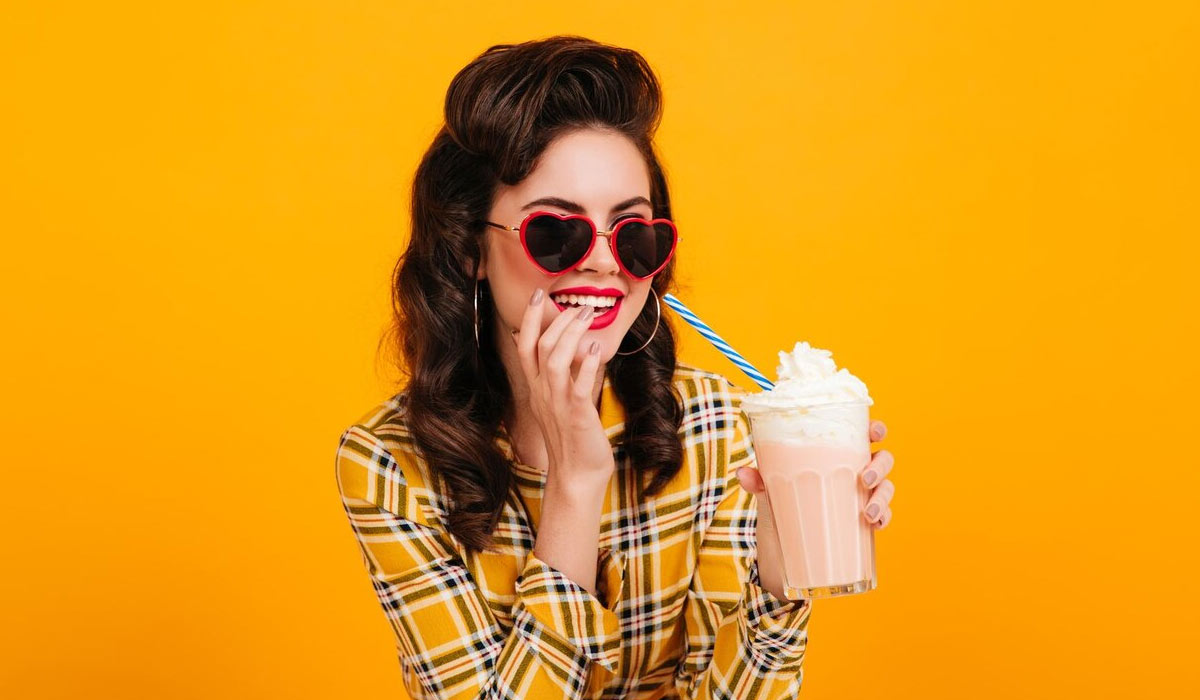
[810, 438]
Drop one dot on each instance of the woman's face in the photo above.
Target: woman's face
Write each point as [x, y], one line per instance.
[598, 174]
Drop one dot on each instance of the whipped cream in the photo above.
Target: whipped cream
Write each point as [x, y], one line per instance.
[808, 378]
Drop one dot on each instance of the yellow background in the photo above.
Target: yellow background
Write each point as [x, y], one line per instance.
[987, 210]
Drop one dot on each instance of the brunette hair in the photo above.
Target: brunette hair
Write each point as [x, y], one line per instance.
[502, 110]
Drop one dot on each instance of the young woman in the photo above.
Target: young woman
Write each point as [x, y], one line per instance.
[554, 506]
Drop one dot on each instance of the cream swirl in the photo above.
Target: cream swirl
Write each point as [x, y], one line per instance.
[808, 376]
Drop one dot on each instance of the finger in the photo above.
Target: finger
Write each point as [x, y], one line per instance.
[881, 463]
[878, 430]
[751, 480]
[549, 339]
[885, 490]
[878, 503]
[531, 323]
[585, 382]
[557, 365]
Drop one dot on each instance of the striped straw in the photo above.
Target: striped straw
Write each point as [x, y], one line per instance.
[717, 341]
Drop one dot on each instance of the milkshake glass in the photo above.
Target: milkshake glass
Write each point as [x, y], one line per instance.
[811, 440]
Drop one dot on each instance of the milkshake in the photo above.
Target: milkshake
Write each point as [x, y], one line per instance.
[810, 437]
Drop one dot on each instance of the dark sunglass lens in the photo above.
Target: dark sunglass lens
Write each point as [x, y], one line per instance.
[555, 244]
[644, 248]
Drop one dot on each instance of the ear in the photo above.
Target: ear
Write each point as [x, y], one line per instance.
[480, 271]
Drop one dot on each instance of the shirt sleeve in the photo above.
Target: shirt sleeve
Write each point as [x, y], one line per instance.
[449, 641]
[742, 641]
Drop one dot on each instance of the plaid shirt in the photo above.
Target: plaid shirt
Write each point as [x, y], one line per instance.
[679, 612]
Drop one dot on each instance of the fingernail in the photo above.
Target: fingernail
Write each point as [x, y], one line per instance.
[586, 313]
[869, 478]
[537, 297]
[874, 507]
[595, 348]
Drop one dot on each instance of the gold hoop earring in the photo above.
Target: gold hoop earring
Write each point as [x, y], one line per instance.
[657, 320]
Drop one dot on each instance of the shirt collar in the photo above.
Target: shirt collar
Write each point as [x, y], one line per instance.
[612, 413]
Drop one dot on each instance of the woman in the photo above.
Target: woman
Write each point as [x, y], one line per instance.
[554, 506]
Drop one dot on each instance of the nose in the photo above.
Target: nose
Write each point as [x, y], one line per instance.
[600, 259]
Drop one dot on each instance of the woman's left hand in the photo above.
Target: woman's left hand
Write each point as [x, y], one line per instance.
[877, 511]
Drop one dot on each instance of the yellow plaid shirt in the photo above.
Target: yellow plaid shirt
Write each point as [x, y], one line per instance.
[679, 612]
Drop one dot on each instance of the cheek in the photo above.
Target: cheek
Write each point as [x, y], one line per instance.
[639, 296]
[513, 280]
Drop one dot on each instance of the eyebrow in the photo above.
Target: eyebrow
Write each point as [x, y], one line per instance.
[576, 208]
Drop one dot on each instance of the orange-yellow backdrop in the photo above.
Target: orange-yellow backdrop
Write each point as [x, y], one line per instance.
[986, 209]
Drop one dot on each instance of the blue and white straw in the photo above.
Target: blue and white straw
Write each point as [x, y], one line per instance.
[716, 340]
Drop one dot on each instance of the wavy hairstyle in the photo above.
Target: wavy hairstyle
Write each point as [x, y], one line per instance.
[501, 111]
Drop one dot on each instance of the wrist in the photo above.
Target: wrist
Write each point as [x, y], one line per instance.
[582, 490]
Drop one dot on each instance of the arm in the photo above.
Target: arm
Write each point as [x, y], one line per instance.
[569, 532]
[742, 641]
[449, 642]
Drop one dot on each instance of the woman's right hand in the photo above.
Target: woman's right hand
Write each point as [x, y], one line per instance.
[578, 448]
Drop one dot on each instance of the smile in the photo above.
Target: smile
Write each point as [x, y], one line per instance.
[606, 305]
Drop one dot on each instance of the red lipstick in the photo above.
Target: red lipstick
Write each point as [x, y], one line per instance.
[590, 291]
[602, 320]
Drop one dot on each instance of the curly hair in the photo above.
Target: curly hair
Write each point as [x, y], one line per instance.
[501, 111]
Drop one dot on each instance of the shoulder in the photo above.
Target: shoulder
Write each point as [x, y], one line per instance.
[698, 379]
[714, 434]
[710, 401]
[714, 429]
[378, 462]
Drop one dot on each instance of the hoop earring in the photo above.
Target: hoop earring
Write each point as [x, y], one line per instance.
[475, 299]
[657, 320]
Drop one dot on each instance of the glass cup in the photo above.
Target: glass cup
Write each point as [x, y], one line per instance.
[810, 458]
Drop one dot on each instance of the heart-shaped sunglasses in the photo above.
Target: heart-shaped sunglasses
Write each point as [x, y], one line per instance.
[556, 243]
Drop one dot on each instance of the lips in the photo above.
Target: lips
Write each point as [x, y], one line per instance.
[591, 291]
[601, 320]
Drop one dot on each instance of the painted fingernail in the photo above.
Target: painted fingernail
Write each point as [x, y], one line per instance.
[594, 348]
[874, 507]
[585, 313]
[869, 478]
[537, 297]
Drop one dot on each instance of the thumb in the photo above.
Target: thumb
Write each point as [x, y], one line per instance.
[751, 480]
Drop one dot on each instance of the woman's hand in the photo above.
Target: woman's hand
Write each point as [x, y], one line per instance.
[877, 510]
[576, 444]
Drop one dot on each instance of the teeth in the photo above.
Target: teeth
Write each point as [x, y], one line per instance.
[585, 300]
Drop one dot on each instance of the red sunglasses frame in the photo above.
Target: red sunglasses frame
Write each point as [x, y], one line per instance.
[610, 234]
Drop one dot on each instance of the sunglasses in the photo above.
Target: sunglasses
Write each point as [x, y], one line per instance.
[557, 243]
